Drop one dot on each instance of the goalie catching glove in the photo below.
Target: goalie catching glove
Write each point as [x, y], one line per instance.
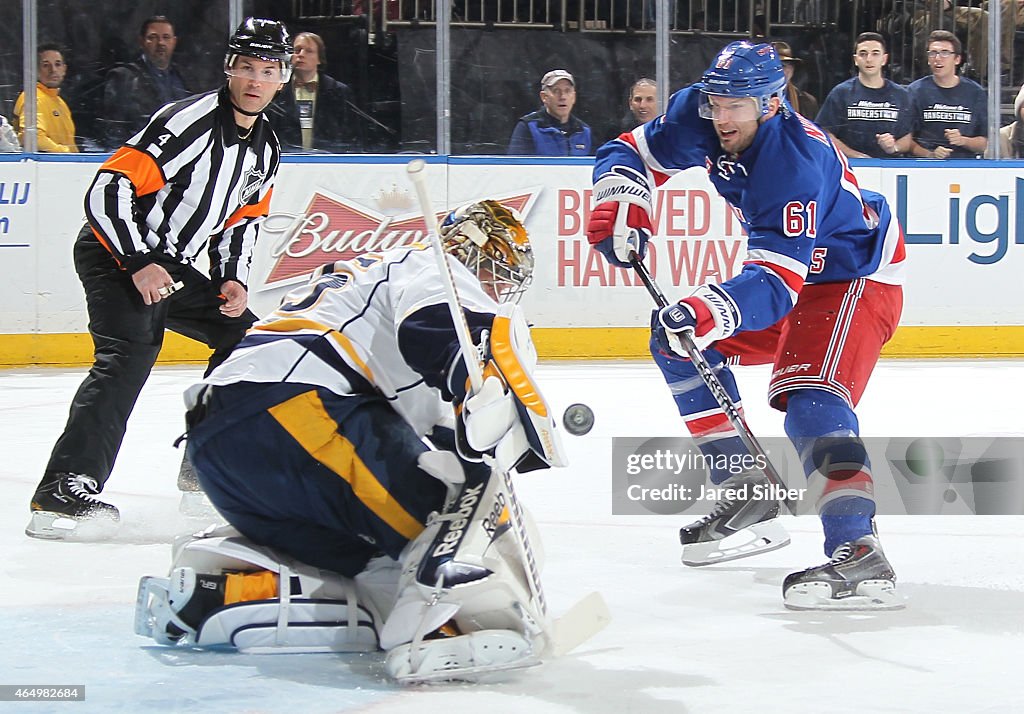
[508, 415]
[620, 223]
[708, 315]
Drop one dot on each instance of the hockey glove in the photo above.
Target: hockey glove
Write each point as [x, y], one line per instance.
[620, 223]
[616, 230]
[709, 315]
[508, 413]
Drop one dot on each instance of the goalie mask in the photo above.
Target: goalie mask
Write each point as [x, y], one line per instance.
[491, 241]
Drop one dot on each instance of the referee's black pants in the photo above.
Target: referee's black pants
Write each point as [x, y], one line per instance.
[127, 335]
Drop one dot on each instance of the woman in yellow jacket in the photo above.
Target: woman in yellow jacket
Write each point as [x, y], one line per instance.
[56, 129]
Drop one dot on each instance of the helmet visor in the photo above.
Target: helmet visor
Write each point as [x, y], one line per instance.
[276, 73]
[722, 108]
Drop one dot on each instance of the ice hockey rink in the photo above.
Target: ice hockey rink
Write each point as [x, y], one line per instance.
[713, 639]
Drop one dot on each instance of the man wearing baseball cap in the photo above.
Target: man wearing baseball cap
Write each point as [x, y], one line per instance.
[552, 130]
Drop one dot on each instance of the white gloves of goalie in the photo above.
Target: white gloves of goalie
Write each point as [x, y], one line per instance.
[489, 414]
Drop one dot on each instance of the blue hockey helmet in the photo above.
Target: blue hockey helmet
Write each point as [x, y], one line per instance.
[745, 69]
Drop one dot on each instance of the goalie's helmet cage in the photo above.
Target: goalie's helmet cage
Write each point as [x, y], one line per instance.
[491, 241]
[267, 40]
[745, 69]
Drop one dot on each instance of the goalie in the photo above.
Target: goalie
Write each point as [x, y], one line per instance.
[341, 441]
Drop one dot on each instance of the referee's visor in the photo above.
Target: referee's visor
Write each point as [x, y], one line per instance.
[243, 67]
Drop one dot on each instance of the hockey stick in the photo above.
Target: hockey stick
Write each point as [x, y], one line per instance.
[588, 616]
[714, 385]
[415, 168]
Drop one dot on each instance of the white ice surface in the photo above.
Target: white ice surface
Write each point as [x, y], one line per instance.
[715, 639]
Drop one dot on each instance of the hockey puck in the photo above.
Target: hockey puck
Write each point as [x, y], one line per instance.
[578, 419]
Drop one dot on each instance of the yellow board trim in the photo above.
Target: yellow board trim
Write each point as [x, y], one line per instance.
[553, 343]
[909, 342]
[306, 419]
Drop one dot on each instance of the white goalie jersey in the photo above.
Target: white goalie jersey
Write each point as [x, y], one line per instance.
[378, 323]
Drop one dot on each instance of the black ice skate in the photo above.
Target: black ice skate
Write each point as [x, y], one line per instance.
[740, 525]
[63, 503]
[857, 578]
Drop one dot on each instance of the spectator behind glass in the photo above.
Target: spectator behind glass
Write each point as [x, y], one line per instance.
[1011, 136]
[803, 102]
[133, 92]
[971, 22]
[54, 126]
[553, 130]
[950, 112]
[868, 116]
[312, 112]
[643, 103]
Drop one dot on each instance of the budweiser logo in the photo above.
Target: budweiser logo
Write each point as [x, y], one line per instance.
[333, 228]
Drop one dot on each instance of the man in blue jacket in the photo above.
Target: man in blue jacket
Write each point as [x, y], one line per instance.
[553, 130]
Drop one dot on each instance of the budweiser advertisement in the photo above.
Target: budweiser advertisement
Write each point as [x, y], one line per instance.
[322, 215]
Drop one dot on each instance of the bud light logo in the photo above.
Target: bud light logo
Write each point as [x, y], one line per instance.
[989, 223]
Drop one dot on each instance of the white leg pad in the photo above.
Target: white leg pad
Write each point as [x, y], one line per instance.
[465, 567]
[315, 610]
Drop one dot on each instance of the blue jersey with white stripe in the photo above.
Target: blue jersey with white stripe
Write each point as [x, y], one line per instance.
[806, 219]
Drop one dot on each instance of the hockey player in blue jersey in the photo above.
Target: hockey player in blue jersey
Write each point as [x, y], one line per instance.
[818, 296]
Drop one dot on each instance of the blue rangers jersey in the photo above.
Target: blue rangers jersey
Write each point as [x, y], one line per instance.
[806, 219]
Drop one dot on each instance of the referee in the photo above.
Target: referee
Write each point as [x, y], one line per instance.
[199, 175]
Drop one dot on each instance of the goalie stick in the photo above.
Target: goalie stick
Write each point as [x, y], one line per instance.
[590, 614]
[714, 385]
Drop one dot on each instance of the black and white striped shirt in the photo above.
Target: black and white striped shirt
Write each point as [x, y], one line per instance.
[187, 180]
